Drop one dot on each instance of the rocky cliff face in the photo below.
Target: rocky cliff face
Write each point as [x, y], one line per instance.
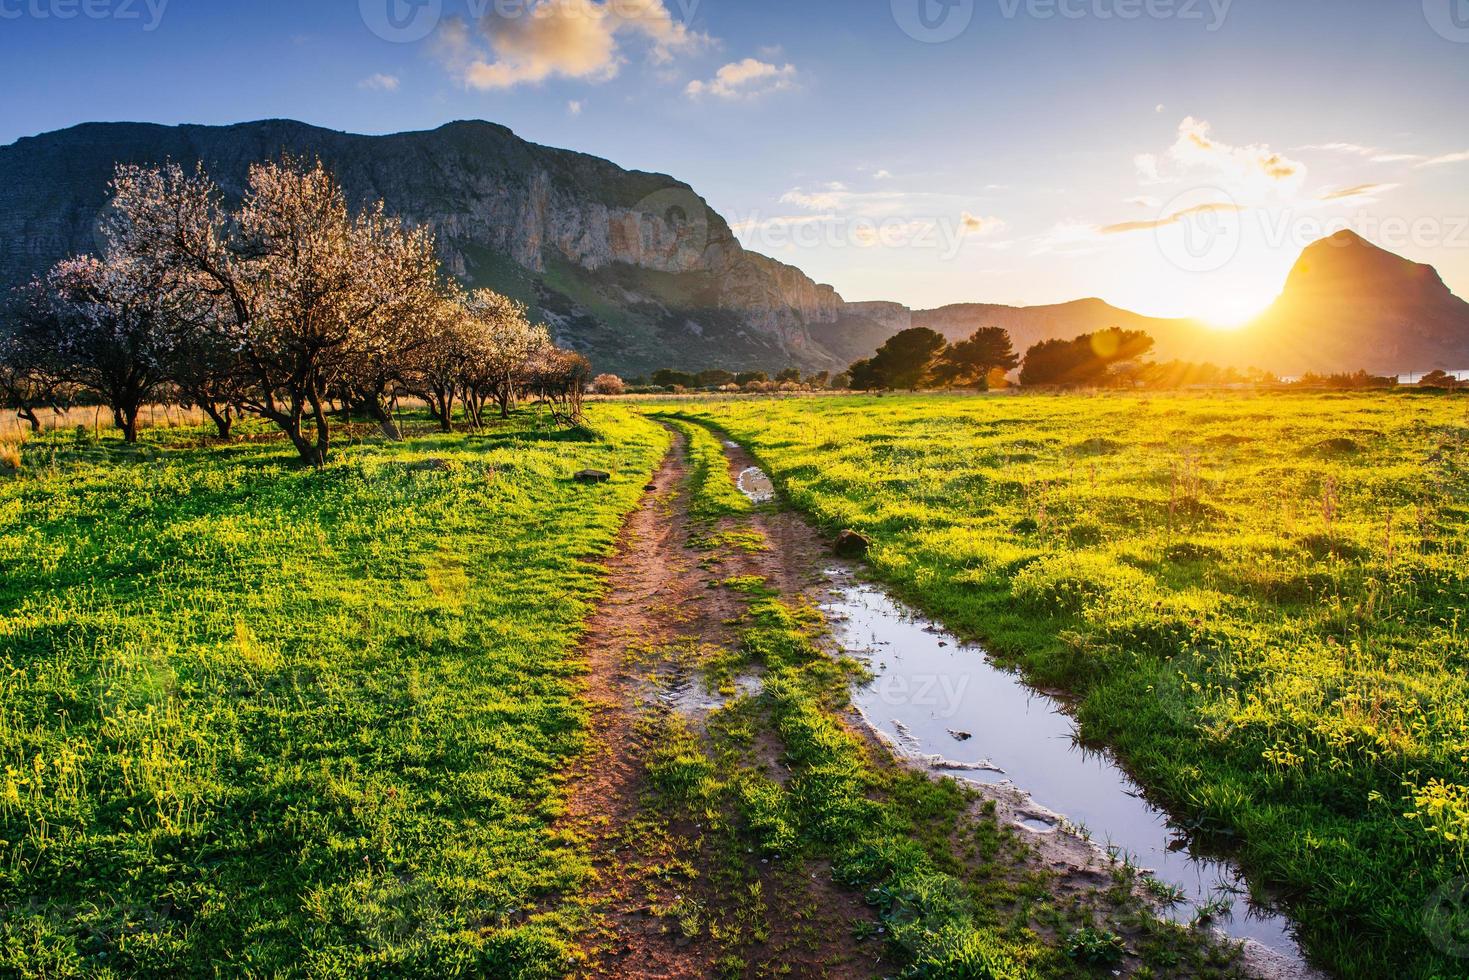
[1350, 305]
[639, 272]
[571, 234]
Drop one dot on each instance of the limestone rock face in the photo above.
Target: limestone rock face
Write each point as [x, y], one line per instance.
[507, 213]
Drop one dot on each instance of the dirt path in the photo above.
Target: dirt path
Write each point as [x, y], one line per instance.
[673, 896]
[662, 610]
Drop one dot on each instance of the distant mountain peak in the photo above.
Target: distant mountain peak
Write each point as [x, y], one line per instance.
[1346, 264]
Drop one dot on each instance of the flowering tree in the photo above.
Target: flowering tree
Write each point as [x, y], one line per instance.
[291, 300]
[610, 384]
[560, 378]
[303, 298]
[25, 385]
[436, 370]
[103, 325]
[504, 343]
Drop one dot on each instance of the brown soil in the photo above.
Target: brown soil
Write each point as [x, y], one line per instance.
[662, 608]
[661, 600]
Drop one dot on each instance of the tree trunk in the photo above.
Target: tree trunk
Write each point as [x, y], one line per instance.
[223, 420]
[290, 424]
[445, 412]
[129, 418]
[379, 413]
[29, 414]
[323, 431]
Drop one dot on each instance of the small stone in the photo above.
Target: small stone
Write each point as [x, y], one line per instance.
[961, 736]
[850, 544]
[593, 476]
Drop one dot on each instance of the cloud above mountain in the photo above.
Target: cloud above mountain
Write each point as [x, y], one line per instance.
[1197, 155]
[575, 39]
[745, 79]
[1170, 219]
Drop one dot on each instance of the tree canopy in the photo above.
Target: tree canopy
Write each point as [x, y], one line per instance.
[905, 361]
[1085, 360]
[981, 361]
[280, 307]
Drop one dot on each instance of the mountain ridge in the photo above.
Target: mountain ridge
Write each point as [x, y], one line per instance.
[633, 267]
[637, 270]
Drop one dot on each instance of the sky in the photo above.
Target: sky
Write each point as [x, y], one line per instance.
[1170, 156]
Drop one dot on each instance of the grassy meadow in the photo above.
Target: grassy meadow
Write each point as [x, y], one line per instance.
[258, 719]
[955, 891]
[1259, 601]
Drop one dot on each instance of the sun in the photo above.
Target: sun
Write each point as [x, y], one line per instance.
[1234, 312]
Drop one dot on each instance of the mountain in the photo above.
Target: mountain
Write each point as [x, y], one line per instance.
[1349, 305]
[633, 268]
[636, 270]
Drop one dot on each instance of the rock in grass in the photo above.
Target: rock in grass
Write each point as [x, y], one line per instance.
[850, 544]
[593, 476]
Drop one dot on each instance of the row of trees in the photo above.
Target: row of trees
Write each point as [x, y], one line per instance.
[284, 307]
[919, 357]
[922, 358]
[717, 379]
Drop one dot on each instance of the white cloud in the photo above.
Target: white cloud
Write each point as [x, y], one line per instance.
[970, 224]
[744, 80]
[831, 199]
[1446, 159]
[575, 107]
[1169, 219]
[544, 39]
[1067, 238]
[1196, 145]
[1197, 157]
[883, 175]
[1371, 153]
[380, 83]
[1359, 193]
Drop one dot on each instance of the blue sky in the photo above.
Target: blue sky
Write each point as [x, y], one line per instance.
[1172, 156]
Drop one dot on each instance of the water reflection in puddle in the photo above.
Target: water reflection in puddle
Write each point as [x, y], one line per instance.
[755, 485]
[930, 690]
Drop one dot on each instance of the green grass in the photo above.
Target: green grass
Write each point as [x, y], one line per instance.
[953, 894]
[261, 719]
[712, 495]
[1259, 600]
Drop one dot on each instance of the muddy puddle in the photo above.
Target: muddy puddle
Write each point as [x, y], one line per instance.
[945, 705]
[755, 485]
